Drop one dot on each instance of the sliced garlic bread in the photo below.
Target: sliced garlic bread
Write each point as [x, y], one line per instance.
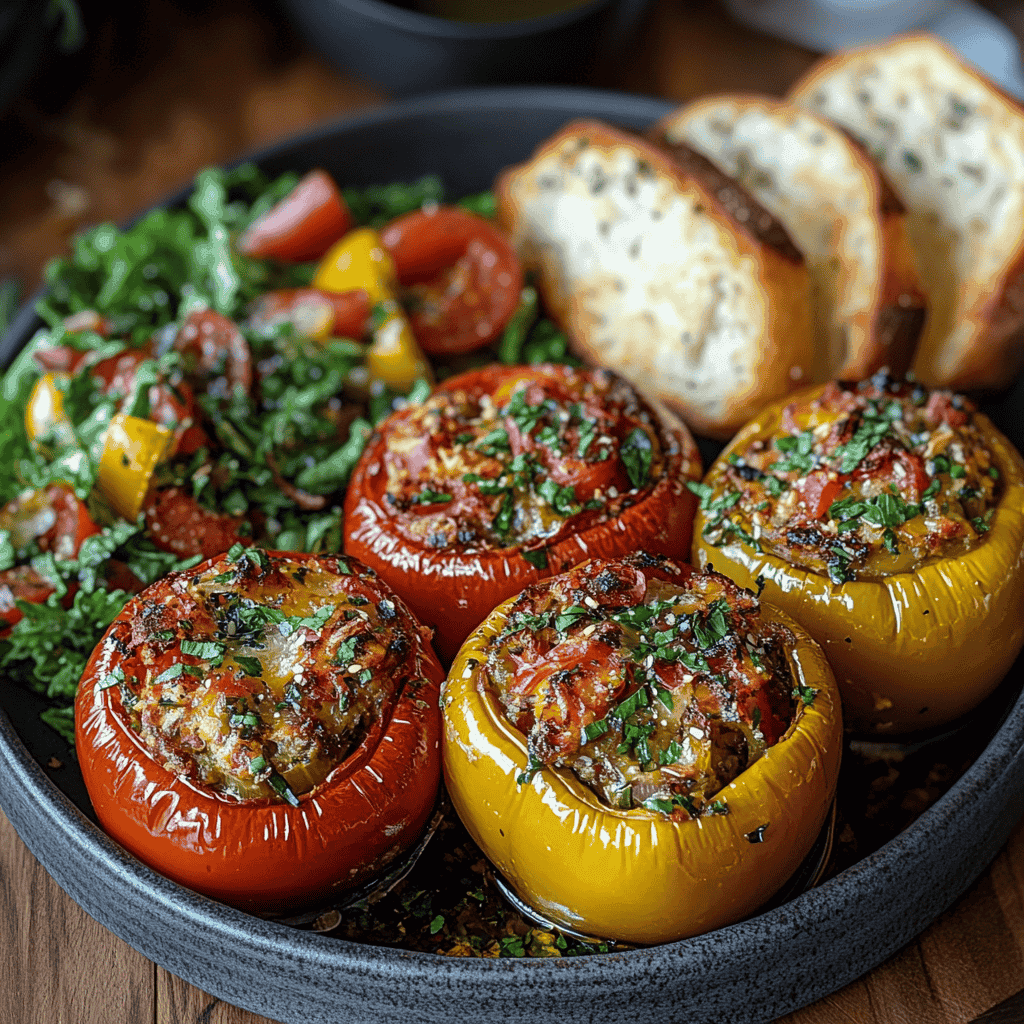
[953, 147]
[829, 195]
[663, 270]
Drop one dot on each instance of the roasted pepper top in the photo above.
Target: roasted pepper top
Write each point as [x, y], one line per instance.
[861, 482]
[255, 674]
[550, 452]
[654, 683]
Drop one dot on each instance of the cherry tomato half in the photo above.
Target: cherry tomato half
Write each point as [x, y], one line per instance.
[217, 357]
[462, 277]
[177, 523]
[57, 521]
[302, 226]
[22, 583]
[314, 312]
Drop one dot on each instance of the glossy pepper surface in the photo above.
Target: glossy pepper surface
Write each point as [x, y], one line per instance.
[335, 827]
[636, 875]
[451, 584]
[913, 649]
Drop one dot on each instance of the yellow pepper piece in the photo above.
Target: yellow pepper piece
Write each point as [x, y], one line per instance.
[44, 413]
[394, 356]
[359, 260]
[132, 449]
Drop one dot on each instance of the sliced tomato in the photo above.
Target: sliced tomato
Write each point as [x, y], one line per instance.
[179, 524]
[568, 690]
[172, 406]
[22, 583]
[302, 226]
[53, 517]
[315, 312]
[217, 357]
[73, 523]
[818, 491]
[914, 474]
[462, 276]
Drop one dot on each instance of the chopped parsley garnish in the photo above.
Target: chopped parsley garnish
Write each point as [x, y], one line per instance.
[570, 617]
[281, 787]
[870, 431]
[636, 455]
[887, 509]
[707, 631]
[111, 679]
[176, 671]
[250, 666]
[346, 653]
[537, 558]
[429, 497]
[805, 693]
[207, 650]
[533, 766]
[797, 450]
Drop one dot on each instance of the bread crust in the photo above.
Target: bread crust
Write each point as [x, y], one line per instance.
[778, 355]
[886, 331]
[982, 344]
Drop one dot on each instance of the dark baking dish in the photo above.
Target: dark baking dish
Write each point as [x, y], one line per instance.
[754, 971]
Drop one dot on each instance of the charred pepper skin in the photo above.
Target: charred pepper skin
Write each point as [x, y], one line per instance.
[636, 875]
[912, 650]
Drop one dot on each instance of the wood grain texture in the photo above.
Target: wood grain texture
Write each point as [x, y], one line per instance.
[58, 965]
[178, 1002]
[195, 83]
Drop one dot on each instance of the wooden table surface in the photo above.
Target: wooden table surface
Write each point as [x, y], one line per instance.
[183, 85]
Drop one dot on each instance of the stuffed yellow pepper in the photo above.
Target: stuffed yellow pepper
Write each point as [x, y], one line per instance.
[642, 750]
[889, 521]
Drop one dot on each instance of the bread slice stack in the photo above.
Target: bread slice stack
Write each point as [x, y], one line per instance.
[837, 208]
[952, 146]
[663, 269]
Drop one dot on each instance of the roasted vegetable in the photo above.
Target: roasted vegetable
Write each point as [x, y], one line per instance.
[678, 863]
[912, 577]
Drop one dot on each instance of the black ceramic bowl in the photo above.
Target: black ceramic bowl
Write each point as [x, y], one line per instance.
[750, 972]
[406, 51]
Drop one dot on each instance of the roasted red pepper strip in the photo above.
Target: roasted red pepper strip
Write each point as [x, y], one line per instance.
[302, 226]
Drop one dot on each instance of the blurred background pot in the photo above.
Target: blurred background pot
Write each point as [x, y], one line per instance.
[406, 50]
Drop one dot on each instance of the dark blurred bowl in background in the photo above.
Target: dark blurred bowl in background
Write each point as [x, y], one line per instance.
[405, 50]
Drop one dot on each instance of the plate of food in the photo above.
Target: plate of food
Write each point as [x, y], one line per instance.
[411, 646]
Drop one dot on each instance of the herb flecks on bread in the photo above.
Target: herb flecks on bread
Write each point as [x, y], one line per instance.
[660, 273]
[820, 184]
[953, 147]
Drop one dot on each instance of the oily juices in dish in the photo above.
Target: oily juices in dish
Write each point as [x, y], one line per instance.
[263, 728]
[506, 475]
[889, 520]
[643, 750]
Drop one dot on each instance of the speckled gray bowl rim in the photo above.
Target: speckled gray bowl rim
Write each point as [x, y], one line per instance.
[748, 973]
[419, 24]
